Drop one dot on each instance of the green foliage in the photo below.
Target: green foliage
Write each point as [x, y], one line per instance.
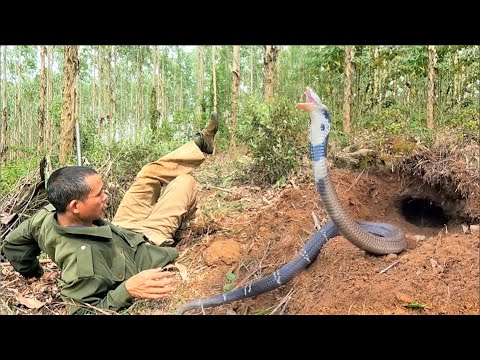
[466, 118]
[230, 283]
[415, 305]
[276, 133]
[13, 171]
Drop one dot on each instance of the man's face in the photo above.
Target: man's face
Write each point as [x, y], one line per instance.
[93, 207]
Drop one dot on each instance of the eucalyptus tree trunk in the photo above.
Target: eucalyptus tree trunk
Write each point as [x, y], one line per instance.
[100, 74]
[41, 103]
[4, 145]
[49, 121]
[158, 85]
[432, 61]
[200, 85]
[69, 76]
[181, 74]
[271, 54]
[455, 78]
[251, 71]
[375, 77]
[214, 78]
[109, 94]
[347, 90]
[113, 94]
[164, 92]
[19, 118]
[139, 92]
[235, 88]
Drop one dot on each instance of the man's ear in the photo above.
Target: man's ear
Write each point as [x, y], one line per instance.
[73, 206]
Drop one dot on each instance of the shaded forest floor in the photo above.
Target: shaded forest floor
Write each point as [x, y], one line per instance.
[244, 232]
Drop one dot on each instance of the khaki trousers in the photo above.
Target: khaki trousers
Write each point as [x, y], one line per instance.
[162, 196]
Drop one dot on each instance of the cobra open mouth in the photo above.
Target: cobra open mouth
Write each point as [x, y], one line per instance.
[309, 96]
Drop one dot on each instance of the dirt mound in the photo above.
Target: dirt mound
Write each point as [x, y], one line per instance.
[453, 168]
[437, 273]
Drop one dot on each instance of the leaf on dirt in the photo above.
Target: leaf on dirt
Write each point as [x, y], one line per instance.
[261, 311]
[29, 302]
[182, 269]
[230, 276]
[227, 287]
[6, 218]
[416, 305]
[475, 229]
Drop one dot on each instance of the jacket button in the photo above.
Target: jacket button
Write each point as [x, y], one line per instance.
[82, 247]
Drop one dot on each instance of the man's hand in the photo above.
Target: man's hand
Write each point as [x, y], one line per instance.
[151, 284]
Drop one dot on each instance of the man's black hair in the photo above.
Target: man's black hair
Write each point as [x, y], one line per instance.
[67, 184]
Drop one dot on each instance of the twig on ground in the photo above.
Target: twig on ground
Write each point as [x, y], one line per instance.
[389, 266]
[284, 301]
[355, 181]
[318, 226]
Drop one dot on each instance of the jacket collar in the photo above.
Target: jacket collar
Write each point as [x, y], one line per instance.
[101, 231]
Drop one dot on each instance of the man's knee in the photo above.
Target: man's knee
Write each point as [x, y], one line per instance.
[187, 181]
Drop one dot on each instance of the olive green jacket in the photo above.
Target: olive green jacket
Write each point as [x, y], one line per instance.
[94, 261]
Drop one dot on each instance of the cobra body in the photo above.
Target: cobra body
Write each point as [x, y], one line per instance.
[376, 238]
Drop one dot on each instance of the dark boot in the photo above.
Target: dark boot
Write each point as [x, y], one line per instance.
[205, 139]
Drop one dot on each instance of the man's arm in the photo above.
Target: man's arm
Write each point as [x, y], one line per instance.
[94, 291]
[21, 249]
[148, 284]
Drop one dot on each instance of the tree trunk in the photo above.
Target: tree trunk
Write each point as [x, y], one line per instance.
[69, 76]
[432, 61]
[41, 104]
[19, 118]
[455, 78]
[48, 121]
[271, 54]
[200, 86]
[179, 80]
[347, 90]
[375, 77]
[100, 74]
[164, 92]
[93, 82]
[107, 97]
[113, 95]
[251, 70]
[235, 88]
[3, 145]
[139, 90]
[214, 78]
[158, 86]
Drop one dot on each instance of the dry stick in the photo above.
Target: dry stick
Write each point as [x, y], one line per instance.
[354, 182]
[389, 266]
[284, 301]
[10, 282]
[259, 267]
[219, 188]
[316, 221]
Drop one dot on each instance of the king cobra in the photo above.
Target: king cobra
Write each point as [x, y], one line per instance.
[375, 238]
